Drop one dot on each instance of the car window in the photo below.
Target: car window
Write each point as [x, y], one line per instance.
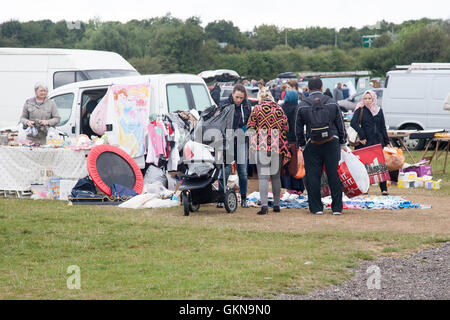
[80, 76]
[201, 97]
[177, 97]
[64, 104]
[107, 73]
[252, 93]
[226, 92]
[63, 77]
[379, 93]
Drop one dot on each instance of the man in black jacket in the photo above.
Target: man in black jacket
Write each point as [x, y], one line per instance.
[215, 90]
[319, 153]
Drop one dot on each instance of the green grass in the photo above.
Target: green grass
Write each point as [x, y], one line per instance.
[127, 254]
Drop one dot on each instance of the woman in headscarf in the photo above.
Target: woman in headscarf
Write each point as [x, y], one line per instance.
[40, 113]
[268, 126]
[290, 107]
[372, 129]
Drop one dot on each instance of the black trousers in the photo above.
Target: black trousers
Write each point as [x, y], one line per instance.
[315, 158]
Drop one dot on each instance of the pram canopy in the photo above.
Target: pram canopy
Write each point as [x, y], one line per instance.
[215, 127]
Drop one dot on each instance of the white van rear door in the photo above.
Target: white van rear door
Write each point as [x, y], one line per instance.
[437, 116]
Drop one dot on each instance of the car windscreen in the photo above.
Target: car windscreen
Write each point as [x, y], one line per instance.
[101, 74]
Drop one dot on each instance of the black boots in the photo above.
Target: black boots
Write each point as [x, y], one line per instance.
[263, 210]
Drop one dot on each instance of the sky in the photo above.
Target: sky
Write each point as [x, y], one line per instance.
[246, 14]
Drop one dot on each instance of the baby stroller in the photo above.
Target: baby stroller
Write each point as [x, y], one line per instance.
[197, 186]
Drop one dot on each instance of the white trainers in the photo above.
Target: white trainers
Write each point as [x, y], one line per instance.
[337, 213]
[318, 212]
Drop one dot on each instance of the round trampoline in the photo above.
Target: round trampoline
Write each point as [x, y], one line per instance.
[108, 165]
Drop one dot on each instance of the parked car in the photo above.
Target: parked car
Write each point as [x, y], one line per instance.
[252, 93]
[350, 103]
[168, 93]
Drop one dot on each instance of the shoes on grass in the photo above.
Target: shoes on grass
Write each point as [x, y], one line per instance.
[263, 211]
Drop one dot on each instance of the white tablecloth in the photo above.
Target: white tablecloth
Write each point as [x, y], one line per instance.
[20, 166]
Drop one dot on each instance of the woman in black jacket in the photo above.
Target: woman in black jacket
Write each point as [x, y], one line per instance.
[372, 129]
[290, 109]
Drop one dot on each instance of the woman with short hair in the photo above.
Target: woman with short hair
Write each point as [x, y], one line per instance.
[267, 127]
[41, 113]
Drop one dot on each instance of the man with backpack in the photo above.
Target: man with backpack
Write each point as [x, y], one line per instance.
[321, 145]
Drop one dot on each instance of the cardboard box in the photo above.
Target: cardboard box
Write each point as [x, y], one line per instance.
[53, 188]
[432, 185]
[421, 169]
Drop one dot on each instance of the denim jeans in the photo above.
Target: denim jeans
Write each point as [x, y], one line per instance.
[241, 158]
[242, 173]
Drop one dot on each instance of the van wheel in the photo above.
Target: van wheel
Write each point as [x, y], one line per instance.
[414, 144]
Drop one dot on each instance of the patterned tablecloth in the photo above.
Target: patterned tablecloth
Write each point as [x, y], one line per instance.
[21, 166]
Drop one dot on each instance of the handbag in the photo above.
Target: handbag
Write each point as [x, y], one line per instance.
[352, 134]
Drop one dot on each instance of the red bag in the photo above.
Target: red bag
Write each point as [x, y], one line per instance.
[373, 159]
[349, 186]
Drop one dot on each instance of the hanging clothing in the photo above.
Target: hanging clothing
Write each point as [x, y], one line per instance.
[156, 143]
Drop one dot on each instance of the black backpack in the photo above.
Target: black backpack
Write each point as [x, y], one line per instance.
[320, 122]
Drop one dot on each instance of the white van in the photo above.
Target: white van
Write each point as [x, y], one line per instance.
[168, 93]
[414, 98]
[22, 68]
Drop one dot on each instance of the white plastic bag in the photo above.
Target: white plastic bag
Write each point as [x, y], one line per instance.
[353, 174]
[22, 133]
[97, 120]
[155, 174]
[197, 152]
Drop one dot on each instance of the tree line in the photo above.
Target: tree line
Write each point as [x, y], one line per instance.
[168, 44]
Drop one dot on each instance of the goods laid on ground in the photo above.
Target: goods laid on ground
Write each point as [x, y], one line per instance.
[364, 202]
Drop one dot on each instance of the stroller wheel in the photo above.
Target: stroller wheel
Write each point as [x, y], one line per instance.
[186, 203]
[194, 207]
[230, 202]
